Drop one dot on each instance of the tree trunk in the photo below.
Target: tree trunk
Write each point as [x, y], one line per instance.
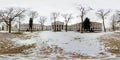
[66, 27]
[54, 25]
[113, 25]
[19, 25]
[42, 27]
[30, 24]
[104, 25]
[9, 26]
[31, 29]
[82, 24]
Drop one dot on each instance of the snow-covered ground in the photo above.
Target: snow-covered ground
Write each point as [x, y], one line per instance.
[74, 42]
[85, 44]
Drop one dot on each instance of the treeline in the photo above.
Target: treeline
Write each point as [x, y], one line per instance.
[9, 15]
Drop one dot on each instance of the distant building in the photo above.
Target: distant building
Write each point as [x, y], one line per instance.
[76, 27]
[49, 27]
[95, 26]
[36, 27]
[59, 26]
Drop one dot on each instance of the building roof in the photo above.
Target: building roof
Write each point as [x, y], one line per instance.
[58, 23]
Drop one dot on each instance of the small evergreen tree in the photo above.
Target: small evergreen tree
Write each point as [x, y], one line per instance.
[32, 15]
[86, 24]
[30, 24]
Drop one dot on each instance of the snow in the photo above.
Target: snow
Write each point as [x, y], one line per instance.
[71, 42]
[86, 43]
[4, 31]
[25, 42]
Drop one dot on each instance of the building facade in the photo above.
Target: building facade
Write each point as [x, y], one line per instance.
[4, 27]
[94, 26]
[36, 27]
[60, 26]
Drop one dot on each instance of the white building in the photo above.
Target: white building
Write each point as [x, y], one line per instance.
[58, 26]
[36, 27]
[4, 27]
[95, 26]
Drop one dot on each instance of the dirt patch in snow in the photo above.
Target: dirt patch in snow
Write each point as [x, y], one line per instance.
[111, 42]
[15, 50]
[7, 46]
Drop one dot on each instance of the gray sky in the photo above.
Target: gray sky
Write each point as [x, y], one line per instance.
[45, 7]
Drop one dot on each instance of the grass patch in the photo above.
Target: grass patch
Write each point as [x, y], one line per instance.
[17, 33]
[16, 49]
[76, 55]
[111, 43]
[5, 44]
[9, 47]
[21, 35]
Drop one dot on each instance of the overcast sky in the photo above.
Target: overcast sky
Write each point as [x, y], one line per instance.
[45, 7]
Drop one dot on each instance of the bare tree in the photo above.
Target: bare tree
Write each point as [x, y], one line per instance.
[42, 21]
[32, 14]
[19, 18]
[54, 16]
[67, 18]
[83, 11]
[113, 22]
[118, 16]
[9, 14]
[102, 14]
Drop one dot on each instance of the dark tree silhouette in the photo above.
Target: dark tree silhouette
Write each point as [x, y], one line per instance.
[102, 14]
[9, 15]
[86, 24]
[30, 24]
[32, 14]
[67, 18]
